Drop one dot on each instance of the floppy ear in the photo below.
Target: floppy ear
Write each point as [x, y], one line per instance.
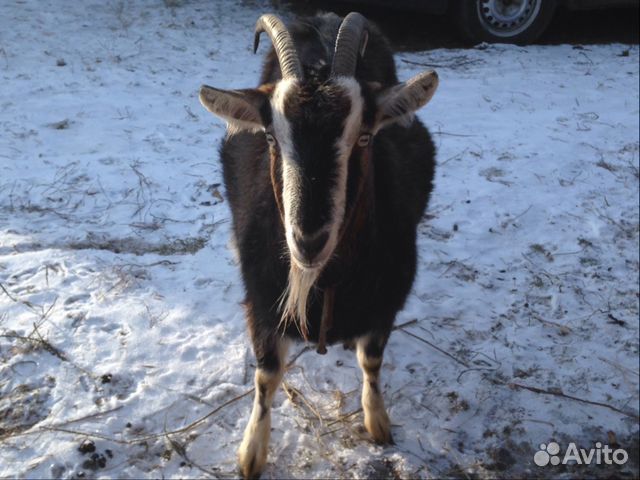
[241, 109]
[399, 103]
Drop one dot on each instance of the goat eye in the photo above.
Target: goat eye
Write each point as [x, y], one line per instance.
[364, 139]
[271, 140]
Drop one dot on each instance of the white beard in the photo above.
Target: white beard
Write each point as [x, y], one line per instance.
[293, 303]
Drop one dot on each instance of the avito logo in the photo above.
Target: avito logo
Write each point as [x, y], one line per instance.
[550, 454]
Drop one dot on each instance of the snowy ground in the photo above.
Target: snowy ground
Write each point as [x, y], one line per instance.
[120, 306]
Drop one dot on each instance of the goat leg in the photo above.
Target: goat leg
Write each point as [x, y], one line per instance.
[369, 350]
[252, 455]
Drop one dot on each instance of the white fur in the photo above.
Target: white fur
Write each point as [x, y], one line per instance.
[238, 113]
[293, 303]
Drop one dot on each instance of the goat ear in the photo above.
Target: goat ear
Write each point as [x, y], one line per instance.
[239, 108]
[399, 103]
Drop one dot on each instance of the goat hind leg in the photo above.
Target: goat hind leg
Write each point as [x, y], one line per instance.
[369, 350]
[252, 454]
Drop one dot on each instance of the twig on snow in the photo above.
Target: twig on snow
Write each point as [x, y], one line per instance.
[451, 134]
[461, 362]
[47, 346]
[152, 436]
[559, 393]
[563, 329]
[342, 418]
[198, 421]
[622, 368]
[182, 451]
[86, 417]
[405, 324]
[306, 348]
[455, 157]
[293, 393]
[26, 303]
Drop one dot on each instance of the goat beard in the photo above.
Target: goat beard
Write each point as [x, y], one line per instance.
[293, 303]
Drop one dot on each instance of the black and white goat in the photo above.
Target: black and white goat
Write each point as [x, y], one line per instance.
[328, 173]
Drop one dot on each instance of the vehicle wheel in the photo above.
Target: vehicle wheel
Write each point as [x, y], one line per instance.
[504, 21]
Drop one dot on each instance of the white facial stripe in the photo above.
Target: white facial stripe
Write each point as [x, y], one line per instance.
[280, 122]
[290, 176]
[344, 145]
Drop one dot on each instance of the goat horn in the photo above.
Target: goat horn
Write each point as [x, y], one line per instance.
[351, 41]
[282, 43]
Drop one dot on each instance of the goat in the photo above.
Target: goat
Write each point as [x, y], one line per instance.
[328, 173]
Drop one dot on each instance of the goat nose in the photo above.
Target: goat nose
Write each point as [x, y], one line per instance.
[311, 245]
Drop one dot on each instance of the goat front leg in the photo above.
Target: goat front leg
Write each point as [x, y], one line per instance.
[252, 454]
[369, 350]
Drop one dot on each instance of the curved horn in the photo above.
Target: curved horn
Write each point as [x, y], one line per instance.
[351, 41]
[283, 44]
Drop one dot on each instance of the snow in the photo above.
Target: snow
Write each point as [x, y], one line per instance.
[121, 314]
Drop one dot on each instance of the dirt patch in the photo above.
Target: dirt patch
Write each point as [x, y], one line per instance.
[178, 246]
[23, 407]
[135, 246]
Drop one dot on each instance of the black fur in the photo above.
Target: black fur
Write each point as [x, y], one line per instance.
[374, 268]
[314, 137]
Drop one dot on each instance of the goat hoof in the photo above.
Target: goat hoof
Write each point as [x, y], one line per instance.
[251, 460]
[244, 477]
[349, 345]
[379, 427]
